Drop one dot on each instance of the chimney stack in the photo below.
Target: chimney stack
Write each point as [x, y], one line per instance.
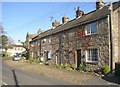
[79, 13]
[55, 24]
[65, 19]
[99, 4]
[39, 31]
[19, 41]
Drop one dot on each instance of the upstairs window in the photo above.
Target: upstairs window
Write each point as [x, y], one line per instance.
[43, 41]
[91, 28]
[92, 55]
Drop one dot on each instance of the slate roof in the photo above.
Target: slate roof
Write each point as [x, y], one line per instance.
[86, 18]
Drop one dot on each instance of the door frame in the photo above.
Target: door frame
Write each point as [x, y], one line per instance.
[77, 58]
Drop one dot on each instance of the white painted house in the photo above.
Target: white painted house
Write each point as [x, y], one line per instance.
[16, 48]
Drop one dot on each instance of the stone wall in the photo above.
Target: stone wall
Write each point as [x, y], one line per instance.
[119, 34]
[65, 44]
[35, 50]
[115, 37]
[50, 43]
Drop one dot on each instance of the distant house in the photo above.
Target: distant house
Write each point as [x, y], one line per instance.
[16, 49]
[85, 39]
[2, 51]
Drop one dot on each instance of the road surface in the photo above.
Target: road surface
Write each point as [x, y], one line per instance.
[12, 76]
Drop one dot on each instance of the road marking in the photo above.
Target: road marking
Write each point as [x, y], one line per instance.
[5, 83]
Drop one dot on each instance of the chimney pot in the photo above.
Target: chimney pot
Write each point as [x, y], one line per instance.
[79, 13]
[99, 4]
[55, 23]
[65, 19]
[39, 31]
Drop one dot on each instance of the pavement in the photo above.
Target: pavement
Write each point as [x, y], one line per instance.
[100, 81]
[109, 79]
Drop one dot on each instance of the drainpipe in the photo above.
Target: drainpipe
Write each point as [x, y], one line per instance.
[111, 46]
[59, 49]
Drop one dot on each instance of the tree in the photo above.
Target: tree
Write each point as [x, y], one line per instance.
[10, 41]
[6, 42]
[2, 30]
[4, 39]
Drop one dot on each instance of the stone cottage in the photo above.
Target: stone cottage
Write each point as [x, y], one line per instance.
[85, 39]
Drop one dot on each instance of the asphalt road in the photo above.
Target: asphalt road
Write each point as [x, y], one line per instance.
[12, 76]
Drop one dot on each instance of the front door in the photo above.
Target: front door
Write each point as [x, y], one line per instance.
[56, 58]
[78, 58]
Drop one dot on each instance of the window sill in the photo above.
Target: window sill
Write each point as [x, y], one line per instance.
[86, 35]
[92, 62]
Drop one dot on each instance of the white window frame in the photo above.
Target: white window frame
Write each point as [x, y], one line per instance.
[90, 27]
[44, 41]
[50, 40]
[50, 54]
[87, 60]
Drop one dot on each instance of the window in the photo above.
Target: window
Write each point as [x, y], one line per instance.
[44, 40]
[50, 54]
[38, 53]
[92, 55]
[11, 47]
[18, 48]
[91, 28]
[15, 48]
[50, 40]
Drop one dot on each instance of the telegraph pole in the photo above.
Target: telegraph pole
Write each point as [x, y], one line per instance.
[111, 46]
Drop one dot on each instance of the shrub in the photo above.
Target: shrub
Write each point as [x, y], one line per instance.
[37, 61]
[62, 65]
[21, 59]
[74, 66]
[31, 60]
[89, 68]
[106, 69]
[67, 66]
[82, 67]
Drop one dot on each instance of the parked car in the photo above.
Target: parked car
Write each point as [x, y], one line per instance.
[16, 58]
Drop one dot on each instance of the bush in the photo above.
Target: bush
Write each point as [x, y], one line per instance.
[82, 67]
[37, 61]
[67, 66]
[31, 60]
[62, 65]
[59, 66]
[106, 69]
[74, 66]
[89, 68]
[21, 58]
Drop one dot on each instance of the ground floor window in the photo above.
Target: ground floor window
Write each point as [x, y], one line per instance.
[50, 54]
[92, 55]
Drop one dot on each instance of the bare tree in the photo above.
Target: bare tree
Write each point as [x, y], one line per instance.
[10, 41]
[2, 30]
